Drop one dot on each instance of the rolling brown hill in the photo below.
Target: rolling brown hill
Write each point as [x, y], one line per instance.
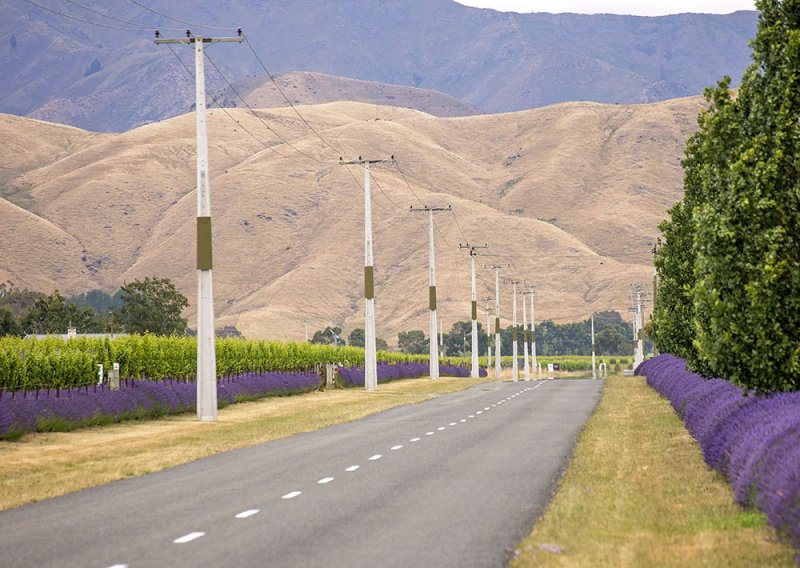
[569, 194]
[316, 88]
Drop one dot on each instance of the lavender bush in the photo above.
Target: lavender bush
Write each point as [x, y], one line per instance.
[66, 409]
[354, 376]
[753, 440]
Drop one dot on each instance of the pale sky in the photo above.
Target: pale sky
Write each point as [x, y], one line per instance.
[633, 7]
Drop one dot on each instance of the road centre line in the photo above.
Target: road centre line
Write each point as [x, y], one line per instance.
[248, 513]
[292, 494]
[188, 537]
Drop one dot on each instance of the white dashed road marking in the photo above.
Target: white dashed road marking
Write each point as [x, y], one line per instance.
[248, 513]
[188, 537]
[292, 494]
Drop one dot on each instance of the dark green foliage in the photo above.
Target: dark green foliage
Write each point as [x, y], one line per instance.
[357, 337]
[98, 300]
[613, 336]
[152, 306]
[458, 342]
[729, 268]
[54, 315]
[412, 342]
[329, 336]
[8, 323]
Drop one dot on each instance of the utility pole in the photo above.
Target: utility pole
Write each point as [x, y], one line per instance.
[370, 351]
[488, 336]
[472, 254]
[594, 369]
[533, 332]
[525, 338]
[497, 359]
[638, 341]
[514, 346]
[655, 287]
[206, 349]
[434, 356]
[306, 326]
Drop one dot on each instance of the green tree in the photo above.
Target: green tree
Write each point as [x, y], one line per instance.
[152, 306]
[329, 336]
[357, 337]
[52, 314]
[748, 237]
[9, 325]
[737, 288]
[412, 342]
[608, 341]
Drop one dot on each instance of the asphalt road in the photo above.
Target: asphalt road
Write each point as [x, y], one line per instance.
[455, 481]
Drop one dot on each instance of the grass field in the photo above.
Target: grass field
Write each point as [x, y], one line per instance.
[637, 492]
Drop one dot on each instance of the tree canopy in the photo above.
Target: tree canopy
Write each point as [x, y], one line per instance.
[153, 305]
[729, 264]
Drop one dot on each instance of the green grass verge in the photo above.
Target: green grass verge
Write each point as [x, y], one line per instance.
[638, 493]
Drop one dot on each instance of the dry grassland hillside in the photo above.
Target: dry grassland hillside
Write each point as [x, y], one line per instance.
[570, 195]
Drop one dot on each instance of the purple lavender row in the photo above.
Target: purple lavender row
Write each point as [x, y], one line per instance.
[354, 376]
[69, 409]
[753, 440]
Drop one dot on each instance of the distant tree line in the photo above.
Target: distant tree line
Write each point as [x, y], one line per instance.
[613, 336]
[152, 305]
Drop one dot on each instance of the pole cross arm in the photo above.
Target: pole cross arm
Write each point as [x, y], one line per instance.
[426, 208]
[360, 162]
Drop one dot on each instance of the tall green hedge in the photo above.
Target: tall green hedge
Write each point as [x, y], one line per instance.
[729, 266]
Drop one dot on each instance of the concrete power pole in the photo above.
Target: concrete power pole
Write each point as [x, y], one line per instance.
[488, 336]
[636, 308]
[434, 355]
[206, 349]
[525, 338]
[474, 373]
[514, 346]
[534, 363]
[594, 369]
[370, 351]
[497, 359]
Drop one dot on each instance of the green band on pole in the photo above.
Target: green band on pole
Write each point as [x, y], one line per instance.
[525, 336]
[432, 294]
[474, 310]
[204, 243]
[514, 333]
[497, 325]
[533, 336]
[369, 283]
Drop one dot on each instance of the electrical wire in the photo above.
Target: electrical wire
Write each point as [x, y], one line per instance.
[267, 126]
[176, 19]
[275, 83]
[68, 16]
